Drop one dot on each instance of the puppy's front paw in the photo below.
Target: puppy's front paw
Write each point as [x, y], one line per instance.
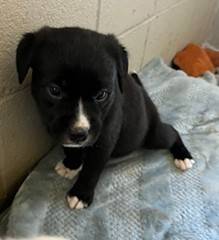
[75, 203]
[66, 172]
[184, 164]
[79, 199]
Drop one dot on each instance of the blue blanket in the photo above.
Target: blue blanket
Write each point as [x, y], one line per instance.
[144, 196]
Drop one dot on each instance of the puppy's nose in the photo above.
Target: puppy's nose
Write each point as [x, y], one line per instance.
[78, 135]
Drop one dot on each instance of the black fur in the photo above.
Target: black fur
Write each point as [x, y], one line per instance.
[82, 62]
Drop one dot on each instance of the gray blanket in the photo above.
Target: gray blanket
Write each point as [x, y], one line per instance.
[144, 196]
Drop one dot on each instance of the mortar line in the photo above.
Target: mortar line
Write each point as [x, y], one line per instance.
[150, 19]
[98, 15]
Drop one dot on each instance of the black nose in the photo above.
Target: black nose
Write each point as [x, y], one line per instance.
[78, 135]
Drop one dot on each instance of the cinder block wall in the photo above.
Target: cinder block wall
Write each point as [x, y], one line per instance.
[148, 28]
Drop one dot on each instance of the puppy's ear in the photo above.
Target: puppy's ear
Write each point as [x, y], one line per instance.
[24, 55]
[119, 53]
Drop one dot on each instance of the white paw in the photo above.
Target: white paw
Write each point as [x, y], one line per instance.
[66, 172]
[75, 203]
[184, 164]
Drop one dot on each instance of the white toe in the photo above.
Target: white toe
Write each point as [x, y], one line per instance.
[60, 169]
[66, 172]
[188, 163]
[177, 163]
[75, 203]
[72, 201]
[80, 205]
[184, 164]
[180, 164]
[192, 161]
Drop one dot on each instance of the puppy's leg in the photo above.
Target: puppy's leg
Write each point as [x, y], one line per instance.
[162, 135]
[81, 195]
[72, 164]
[165, 136]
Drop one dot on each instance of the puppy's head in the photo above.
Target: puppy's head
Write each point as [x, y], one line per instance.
[76, 76]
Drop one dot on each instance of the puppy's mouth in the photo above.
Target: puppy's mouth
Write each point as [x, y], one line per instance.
[68, 142]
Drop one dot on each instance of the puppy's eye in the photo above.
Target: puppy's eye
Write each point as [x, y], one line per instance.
[54, 91]
[101, 96]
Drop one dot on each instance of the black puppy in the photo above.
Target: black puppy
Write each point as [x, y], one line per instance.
[88, 100]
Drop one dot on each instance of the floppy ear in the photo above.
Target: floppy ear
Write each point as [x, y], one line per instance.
[24, 55]
[119, 53]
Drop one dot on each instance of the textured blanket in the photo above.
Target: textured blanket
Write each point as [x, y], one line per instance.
[143, 196]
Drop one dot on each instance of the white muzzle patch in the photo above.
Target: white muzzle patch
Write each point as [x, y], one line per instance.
[82, 119]
[82, 122]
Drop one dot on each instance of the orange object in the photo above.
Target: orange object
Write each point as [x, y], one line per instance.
[193, 60]
[213, 55]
